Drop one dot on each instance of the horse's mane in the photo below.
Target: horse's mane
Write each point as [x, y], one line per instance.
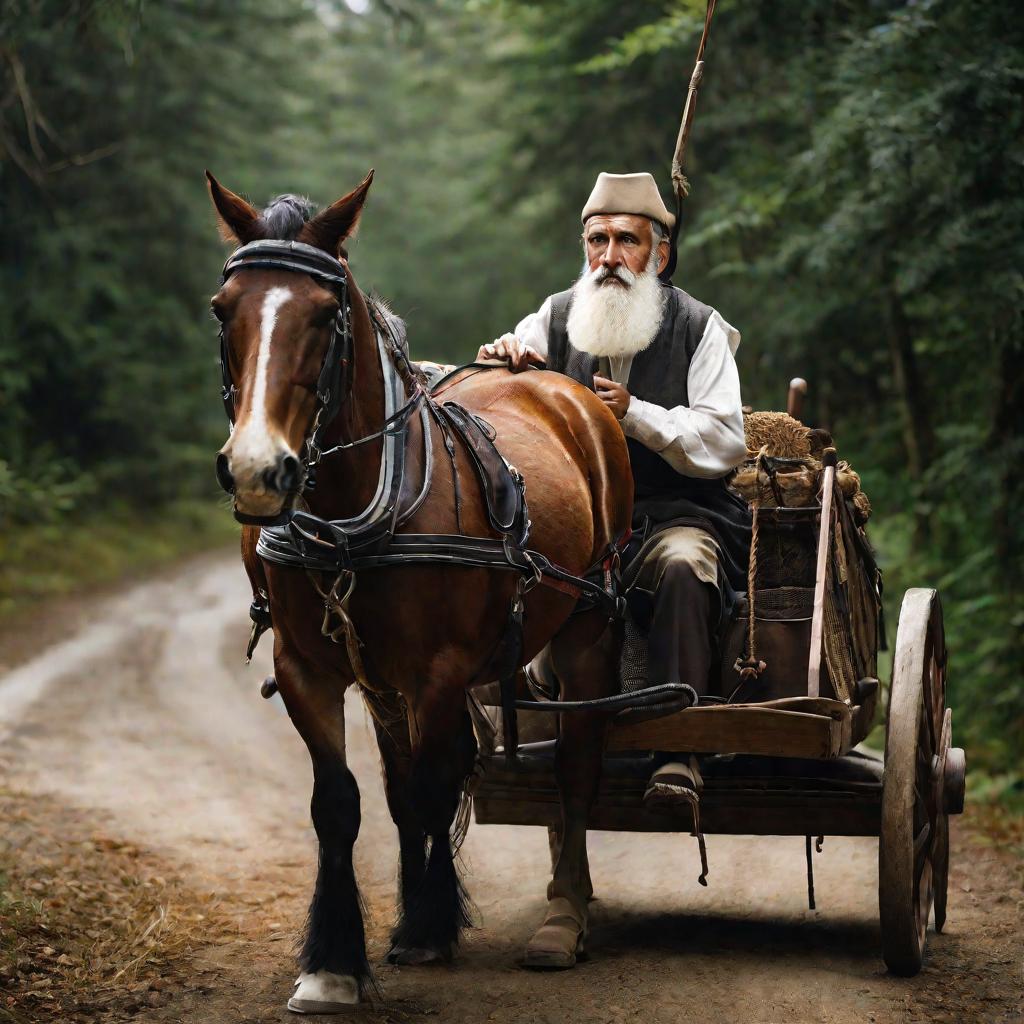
[285, 215]
[394, 322]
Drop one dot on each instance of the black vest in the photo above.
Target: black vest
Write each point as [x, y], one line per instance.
[664, 497]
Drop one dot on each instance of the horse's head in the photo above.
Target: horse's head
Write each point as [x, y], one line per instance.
[278, 325]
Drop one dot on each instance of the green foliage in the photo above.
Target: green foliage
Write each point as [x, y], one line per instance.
[106, 350]
[857, 210]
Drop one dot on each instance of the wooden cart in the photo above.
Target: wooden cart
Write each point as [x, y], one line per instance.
[793, 765]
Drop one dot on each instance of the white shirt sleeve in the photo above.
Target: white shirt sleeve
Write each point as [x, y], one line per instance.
[705, 439]
[533, 329]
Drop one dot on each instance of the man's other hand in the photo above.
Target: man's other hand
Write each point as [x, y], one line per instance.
[509, 347]
[614, 395]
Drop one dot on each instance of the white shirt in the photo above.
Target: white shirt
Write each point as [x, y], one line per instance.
[703, 439]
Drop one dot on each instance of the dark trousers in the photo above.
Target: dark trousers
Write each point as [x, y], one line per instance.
[673, 581]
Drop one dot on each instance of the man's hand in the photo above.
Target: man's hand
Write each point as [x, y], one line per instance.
[509, 347]
[614, 395]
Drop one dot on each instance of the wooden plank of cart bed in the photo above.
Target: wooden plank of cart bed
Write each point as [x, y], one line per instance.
[828, 815]
[740, 729]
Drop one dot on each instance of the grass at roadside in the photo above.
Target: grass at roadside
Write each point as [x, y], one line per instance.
[52, 560]
[91, 928]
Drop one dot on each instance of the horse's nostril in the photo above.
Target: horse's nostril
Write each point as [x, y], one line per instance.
[224, 477]
[285, 477]
[288, 476]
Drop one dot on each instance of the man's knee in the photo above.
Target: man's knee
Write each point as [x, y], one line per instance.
[685, 575]
[677, 569]
[684, 564]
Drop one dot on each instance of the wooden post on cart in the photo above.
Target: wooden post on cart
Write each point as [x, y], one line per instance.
[828, 461]
[797, 394]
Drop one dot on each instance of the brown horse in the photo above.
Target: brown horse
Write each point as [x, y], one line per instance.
[426, 633]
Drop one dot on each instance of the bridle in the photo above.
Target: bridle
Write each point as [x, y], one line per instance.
[334, 382]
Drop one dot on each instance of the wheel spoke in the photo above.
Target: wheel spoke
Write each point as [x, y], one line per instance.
[930, 681]
[921, 850]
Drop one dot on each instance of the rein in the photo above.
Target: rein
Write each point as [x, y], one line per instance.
[395, 423]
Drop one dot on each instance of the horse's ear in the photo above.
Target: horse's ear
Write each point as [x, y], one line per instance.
[238, 220]
[329, 228]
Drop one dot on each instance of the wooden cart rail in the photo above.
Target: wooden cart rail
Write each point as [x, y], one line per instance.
[804, 727]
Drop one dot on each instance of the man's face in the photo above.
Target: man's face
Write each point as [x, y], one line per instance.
[620, 241]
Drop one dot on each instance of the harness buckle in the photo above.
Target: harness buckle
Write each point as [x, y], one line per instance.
[313, 450]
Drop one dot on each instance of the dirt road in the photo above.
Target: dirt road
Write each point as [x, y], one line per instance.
[145, 725]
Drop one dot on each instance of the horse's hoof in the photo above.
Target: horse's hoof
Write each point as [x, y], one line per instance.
[416, 956]
[542, 955]
[324, 992]
[558, 942]
[549, 959]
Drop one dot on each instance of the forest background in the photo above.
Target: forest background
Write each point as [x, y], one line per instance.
[857, 211]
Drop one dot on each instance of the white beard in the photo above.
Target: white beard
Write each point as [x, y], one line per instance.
[616, 320]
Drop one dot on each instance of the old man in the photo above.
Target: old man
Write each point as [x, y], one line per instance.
[664, 364]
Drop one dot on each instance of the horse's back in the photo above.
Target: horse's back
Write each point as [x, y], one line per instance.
[565, 442]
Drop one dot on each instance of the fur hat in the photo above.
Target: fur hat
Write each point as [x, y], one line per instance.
[628, 193]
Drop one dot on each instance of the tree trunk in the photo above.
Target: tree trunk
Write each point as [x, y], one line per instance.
[918, 435]
[1006, 444]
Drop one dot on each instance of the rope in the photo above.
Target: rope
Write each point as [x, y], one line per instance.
[810, 874]
[751, 667]
[698, 782]
[818, 843]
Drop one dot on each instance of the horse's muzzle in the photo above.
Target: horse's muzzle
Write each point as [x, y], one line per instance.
[262, 479]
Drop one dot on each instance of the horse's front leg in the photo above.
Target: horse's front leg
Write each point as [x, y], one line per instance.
[333, 961]
[585, 657]
[391, 724]
[435, 911]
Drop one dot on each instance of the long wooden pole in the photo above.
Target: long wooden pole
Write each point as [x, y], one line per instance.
[679, 182]
[828, 478]
[680, 185]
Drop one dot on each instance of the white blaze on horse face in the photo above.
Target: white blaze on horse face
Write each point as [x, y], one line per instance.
[254, 445]
[272, 302]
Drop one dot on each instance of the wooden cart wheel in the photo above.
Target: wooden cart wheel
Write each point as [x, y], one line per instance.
[913, 851]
